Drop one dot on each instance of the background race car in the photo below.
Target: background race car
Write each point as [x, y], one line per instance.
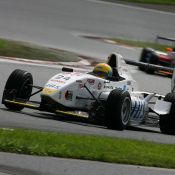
[151, 56]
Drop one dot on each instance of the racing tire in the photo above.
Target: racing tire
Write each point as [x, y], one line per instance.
[18, 86]
[145, 52]
[167, 122]
[148, 56]
[118, 109]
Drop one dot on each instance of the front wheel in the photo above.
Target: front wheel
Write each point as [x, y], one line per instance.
[118, 109]
[18, 86]
[167, 122]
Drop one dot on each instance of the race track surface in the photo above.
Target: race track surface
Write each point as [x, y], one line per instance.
[60, 24]
[33, 165]
[15, 164]
[38, 120]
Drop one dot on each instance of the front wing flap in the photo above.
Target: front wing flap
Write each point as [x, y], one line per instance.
[162, 107]
[37, 107]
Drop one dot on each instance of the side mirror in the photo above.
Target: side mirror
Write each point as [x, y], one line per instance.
[67, 69]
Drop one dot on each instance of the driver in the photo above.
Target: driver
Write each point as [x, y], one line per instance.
[102, 70]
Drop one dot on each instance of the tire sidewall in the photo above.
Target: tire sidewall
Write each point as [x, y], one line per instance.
[167, 122]
[17, 86]
[116, 117]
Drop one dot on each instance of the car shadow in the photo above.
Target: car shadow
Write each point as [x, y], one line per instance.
[75, 120]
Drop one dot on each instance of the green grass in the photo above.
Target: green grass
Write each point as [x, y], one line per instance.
[19, 49]
[159, 2]
[106, 149]
[134, 43]
[11, 48]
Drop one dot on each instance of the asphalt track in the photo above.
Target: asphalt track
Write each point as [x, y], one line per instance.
[59, 24]
[42, 121]
[21, 164]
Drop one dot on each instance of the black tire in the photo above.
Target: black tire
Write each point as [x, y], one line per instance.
[18, 86]
[144, 54]
[167, 122]
[148, 55]
[118, 109]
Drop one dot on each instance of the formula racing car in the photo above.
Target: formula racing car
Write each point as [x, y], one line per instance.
[115, 103]
[152, 56]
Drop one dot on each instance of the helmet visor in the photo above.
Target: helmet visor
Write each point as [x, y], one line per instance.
[100, 74]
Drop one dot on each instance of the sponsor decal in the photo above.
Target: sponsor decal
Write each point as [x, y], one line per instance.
[68, 95]
[58, 81]
[76, 74]
[66, 78]
[48, 91]
[59, 76]
[99, 86]
[53, 86]
[91, 81]
[128, 82]
[138, 109]
[79, 81]
[54, 80]
[108, 87]
[61, 81]
[81, 85]
[125, 88]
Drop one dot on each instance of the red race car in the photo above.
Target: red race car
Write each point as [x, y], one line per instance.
[151, 56]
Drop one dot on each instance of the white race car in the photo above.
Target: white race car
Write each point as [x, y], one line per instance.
[112, 102]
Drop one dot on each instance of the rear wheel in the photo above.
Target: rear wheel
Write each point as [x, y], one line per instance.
[148, 56]
[167, 122]
[118, 109]
[18, 86]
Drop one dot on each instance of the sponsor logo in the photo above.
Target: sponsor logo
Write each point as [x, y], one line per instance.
[48, 91]
[69, 95]
[125, 87]
[66, 78]
[99, 86]
[79, 81]
[108, 87]
[128, 82]
[91, 81]
[76, 74]
[59, 76]
[81, 86]
[53, 86]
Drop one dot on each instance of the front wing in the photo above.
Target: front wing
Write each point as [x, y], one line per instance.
[36, 106]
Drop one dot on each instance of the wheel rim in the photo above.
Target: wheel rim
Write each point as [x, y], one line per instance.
[25, 91]
[125, 111]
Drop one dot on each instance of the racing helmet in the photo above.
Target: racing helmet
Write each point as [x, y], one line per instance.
[102, 70]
